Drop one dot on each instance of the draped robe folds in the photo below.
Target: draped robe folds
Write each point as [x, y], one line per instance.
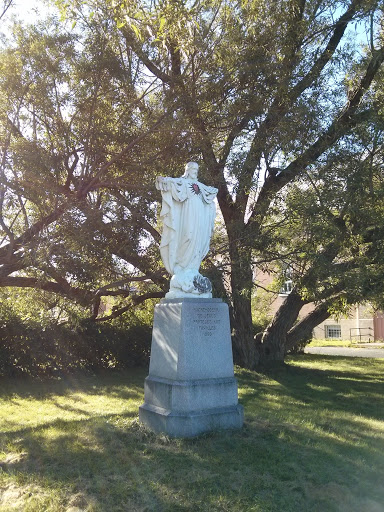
[188, 214]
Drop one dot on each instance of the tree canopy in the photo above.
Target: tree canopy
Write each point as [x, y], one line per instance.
[280, 101]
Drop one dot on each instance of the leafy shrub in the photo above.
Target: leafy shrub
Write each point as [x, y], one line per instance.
[27, 348]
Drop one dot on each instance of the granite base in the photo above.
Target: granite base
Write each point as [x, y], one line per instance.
[191, 386]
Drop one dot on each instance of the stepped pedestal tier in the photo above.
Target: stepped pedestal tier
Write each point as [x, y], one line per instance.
[191, 386]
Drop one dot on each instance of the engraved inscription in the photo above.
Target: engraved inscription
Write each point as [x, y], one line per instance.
[205, 321]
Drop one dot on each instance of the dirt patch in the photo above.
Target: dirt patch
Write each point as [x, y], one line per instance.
[342, 497]
[12, 497]
[77, 503]
[12, 459]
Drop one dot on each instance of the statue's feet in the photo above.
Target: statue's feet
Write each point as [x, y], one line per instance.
[189, 284]
[202, 284]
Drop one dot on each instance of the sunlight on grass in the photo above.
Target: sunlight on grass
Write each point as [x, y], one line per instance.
[58, 402]
[330, 343]
[313, 440]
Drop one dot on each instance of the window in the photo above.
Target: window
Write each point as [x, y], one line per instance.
[287, 286]
[333, 331]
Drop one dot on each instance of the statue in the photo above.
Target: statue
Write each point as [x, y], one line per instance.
[188, 214]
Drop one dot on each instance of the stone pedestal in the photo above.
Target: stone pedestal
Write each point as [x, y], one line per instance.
[191, 386]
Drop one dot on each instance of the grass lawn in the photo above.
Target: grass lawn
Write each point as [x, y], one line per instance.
[330, 343]
[313, 441]
[341, 343]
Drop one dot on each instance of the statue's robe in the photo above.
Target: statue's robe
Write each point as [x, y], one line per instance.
[188, 214]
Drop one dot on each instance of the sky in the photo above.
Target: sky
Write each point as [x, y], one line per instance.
[27, 10]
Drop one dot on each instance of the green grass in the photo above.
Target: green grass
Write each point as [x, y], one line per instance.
[313, 440]
[341, 343]
[331, 343]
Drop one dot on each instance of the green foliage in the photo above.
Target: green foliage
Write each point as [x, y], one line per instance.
[28, 347]
[261, 310]
[69, 104]
[333, 226]
[277, 100]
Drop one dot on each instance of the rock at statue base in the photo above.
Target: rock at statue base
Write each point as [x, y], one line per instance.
[191, 386]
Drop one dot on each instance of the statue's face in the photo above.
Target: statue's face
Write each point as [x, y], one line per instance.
[193, 170]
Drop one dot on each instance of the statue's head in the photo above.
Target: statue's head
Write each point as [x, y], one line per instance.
[191, 170]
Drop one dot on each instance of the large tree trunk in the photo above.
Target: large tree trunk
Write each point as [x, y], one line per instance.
[244, 348]
[304, 328]
[271, 344]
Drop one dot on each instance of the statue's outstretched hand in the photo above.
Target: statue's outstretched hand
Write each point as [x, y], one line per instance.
[162, 183]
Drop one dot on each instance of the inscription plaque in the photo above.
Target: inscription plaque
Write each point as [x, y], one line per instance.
[206, 321]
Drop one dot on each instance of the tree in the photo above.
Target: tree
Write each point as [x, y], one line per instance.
[70, 110]
[4, 6]
[332, 233]
[278, 100]
[252, 85]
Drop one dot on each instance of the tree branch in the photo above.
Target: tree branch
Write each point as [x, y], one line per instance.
[7, 4]
[81, 296]
[30, 233]
[304, 328]
[135, 301]
[36, 228]
[139, 217]
[275, 183]
[135, 45]
[121, 282]
[285, 99]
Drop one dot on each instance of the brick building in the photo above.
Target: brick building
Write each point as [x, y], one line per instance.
[362, 323]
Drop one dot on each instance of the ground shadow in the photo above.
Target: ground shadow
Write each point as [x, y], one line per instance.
[272, 464]
[89, 383]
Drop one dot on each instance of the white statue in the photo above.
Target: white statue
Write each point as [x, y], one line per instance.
[188, 214]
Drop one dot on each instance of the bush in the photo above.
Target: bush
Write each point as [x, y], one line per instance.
[27, 348]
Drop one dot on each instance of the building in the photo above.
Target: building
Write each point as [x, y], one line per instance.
[358, 326]
[361, 325]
